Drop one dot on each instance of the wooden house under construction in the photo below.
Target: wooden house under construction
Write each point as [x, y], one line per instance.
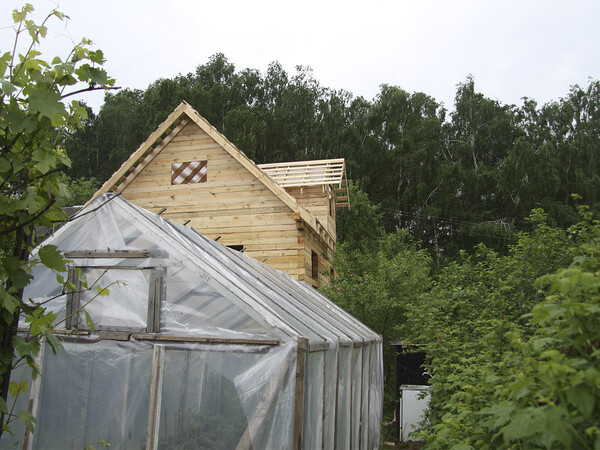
[282, 213]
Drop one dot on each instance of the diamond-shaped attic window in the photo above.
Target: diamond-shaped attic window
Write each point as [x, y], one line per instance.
[188, 172]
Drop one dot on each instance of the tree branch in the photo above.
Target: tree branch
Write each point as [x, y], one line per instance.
[31, 219]
[89, 89]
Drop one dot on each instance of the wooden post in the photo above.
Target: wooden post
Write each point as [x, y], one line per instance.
[34, 395]
[155, 398]
[301, 364]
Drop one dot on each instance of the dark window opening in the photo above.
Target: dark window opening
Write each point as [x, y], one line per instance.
[237, 248]
[315, 265]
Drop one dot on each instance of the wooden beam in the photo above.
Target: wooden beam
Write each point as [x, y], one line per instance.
[114, 254]
[208, 340]
[141, 165]
[301, 363]
[34, 394]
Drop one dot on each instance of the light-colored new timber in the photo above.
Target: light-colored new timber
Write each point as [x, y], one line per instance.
[239, 203]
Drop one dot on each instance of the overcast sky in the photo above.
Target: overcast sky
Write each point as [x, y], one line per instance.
[513, 48]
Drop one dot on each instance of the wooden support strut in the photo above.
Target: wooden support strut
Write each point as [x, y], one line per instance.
[301, 370]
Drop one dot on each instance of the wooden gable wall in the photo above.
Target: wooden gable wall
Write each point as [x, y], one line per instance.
[319, 202]
[231, 204]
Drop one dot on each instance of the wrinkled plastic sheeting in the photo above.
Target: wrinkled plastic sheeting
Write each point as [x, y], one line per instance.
[364, 413]
[376, 396]
[213, 395]
[331, 383]
[356, 395]
[107, 231]
[194, 307]
[267, 392]
[108, 307]
[344, 399]
[14, 439]
[313, 405]
[94, 392]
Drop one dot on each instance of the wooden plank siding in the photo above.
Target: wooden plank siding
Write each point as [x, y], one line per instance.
[316, 200]
[231, 204]
[314, 244]
[235, 201]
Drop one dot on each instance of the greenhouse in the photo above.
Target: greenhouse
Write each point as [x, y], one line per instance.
[195, 346]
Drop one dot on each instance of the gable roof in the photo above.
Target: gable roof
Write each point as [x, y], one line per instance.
[173, 124]
[330, 172]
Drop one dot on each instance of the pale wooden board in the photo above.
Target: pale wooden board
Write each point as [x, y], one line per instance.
[239, 202]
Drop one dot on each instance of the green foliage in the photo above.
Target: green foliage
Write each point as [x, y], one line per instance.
[451, 179]
[34, 107]
[360, 226]
[379, 276]
[514, 344]
[79, 191]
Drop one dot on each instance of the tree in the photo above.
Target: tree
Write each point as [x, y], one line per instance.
[35, 104]
[513, 342]
[379, 276]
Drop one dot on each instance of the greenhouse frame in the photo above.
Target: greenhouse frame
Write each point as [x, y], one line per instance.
[195, 346]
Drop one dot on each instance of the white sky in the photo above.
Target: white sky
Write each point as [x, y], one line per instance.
[513, 48]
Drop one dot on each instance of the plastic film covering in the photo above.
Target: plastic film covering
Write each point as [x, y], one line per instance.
[314, 398]
[195, 307]
[344, 399]
[364, 412]
[205, 290]
[94, 392]
[357, 369]
[196, 304]
[43, 288]
[222, 396]
[105, 229]
[110, 311]
[331, 382]
[14, 439]
[375, 396]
